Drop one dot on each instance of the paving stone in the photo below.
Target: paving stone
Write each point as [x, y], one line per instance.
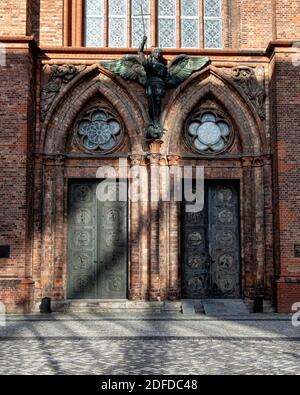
[188, 307]
[225, 307]
[93, 344]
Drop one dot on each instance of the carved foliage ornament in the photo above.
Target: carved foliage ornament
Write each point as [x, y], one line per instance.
[59, 76]
[99, 131]
[247, 79]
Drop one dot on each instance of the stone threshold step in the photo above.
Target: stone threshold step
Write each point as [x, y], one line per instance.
[95, 306]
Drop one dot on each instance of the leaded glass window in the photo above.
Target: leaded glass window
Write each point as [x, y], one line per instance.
[137, 29]
[212, 24]
[167, 23]
[189, 24]
[172, 23]
[94, 23]
[117, 23]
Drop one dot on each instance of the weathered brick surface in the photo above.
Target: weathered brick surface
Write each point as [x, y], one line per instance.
[15, 110]
[51, 22]
[288, 19]
[13, 17]
[288, 159]
[288, 292]
[256, 23]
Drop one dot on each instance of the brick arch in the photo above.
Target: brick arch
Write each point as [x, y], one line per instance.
[54, 135]
[196, 89]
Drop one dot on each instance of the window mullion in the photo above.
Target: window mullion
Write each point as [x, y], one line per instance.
[129, 22]
[178, 24]
[74, 27]
[154, 23]
[201, 24]
[79, 20]
[106, 24]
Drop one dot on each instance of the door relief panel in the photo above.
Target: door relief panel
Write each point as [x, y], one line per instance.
[211, 246]
[97, 245]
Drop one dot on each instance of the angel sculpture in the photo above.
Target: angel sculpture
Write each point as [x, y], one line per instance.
[152, 73]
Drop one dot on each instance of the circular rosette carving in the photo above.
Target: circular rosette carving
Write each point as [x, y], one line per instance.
[208, 133]
[100, 131]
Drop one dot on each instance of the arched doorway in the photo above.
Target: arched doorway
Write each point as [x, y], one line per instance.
[225, 249]
[82, 245]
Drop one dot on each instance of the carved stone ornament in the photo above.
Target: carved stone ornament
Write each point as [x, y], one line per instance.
[60, 74]
[246, 78]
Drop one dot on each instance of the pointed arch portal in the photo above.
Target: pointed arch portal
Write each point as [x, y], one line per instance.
[225, 251]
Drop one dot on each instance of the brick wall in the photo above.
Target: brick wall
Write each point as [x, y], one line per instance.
[51, 22]
[13, 17]
[288, 293]
[288, 19]
[288, 159]
[14, 115]
[256, 23]
[247, 23]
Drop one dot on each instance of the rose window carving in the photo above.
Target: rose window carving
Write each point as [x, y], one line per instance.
[209, 133]
[100, 131]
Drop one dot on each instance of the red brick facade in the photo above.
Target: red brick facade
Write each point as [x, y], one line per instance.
[38, 155]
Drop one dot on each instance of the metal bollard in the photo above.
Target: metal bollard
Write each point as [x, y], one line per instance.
[259, 304]
[45, 307]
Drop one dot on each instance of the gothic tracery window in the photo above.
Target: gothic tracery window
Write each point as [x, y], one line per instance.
[167, 23]
[99, 131]
[208, 132]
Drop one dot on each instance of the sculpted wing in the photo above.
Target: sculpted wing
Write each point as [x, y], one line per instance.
[129, 67]
[182, 67]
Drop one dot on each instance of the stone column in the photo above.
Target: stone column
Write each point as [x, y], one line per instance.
[48, 226]
[60, 247]
[137, 238]
[154, 206]
[164, 228]
[269, 225]
[247, 224]
[37, 224]
[259, 236]
[174, 290]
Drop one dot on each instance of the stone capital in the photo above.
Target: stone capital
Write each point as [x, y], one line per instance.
[154, 159]
[258, 162]
[155, 146]
[173, 160]
[136, 160]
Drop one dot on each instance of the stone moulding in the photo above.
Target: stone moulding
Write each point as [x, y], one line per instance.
[251, 82]
[60, 75]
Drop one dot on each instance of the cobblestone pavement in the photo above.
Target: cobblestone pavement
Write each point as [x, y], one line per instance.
[94, 344]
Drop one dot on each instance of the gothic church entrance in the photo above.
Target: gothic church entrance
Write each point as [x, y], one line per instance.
[211, 245]
[97, 245]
